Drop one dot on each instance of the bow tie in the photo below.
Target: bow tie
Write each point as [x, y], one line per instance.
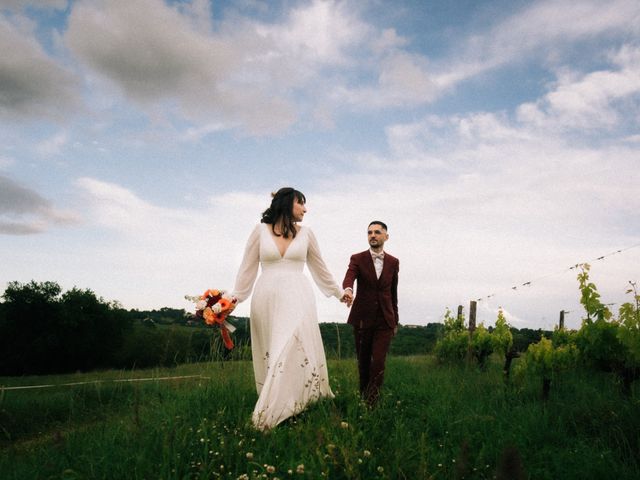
[377, 255]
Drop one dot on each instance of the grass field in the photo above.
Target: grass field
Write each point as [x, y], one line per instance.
[433, 422]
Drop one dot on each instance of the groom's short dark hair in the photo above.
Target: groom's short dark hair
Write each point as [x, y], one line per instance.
[378, 222]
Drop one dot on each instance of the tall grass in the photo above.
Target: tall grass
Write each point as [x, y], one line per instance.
[433, 422]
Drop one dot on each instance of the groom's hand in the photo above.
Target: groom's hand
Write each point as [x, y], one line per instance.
[347, 297]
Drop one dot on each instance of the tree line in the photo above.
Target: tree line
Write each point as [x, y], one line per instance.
[44, 330]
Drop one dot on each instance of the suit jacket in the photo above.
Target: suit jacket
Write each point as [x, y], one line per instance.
[374, 295]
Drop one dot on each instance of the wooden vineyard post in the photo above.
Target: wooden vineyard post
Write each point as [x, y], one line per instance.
[472, 327]
[561, 320]
[472, 316]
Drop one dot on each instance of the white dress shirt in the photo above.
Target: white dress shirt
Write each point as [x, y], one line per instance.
[378, 261]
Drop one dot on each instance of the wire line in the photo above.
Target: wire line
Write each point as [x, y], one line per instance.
[530, 282]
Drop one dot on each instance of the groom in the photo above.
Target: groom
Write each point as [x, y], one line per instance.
[374, 315]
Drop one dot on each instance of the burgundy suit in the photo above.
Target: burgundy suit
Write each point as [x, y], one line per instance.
[374, 316]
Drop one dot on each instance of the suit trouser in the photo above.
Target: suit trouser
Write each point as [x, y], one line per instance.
[372, 345]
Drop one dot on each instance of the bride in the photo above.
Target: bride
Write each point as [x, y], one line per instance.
[288, 356]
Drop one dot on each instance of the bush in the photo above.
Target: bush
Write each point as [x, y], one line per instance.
[605, 342]
[501, 335]
[44, 331]
[546, 360]
[454, 344]
[629, 331]
[481, 344]
[168, 346]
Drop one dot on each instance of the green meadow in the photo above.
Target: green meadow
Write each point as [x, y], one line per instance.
[433, 422]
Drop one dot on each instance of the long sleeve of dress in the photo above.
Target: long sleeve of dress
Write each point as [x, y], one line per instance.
[249, 267]
[319, 271]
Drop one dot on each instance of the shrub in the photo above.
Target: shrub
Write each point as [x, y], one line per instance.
[44, 331]
[454, 344]
[481, 344]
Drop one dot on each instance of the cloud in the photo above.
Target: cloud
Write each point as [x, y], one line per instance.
[159, 56]
[197, 133]
[153, 53]
[24, 211]
[403, 80]
[546, 23]
[490, 157]
[32, 85]
[6, 162]
[263, 78]
[18, 5]
[318, 33]
[594, 100]
[146, 47]
[187, 250]
[160, 230]
[53, 145]
[540, 29]
[489, 201]
[258, 76]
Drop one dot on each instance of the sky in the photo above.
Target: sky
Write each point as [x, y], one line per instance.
[499, 140]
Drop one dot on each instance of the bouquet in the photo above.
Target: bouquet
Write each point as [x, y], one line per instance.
[213, 306]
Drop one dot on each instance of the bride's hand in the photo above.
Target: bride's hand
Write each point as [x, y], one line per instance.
[225, 304]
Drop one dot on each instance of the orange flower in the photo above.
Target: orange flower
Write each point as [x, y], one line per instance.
[209, 316]
[225, 304]
[210, 293]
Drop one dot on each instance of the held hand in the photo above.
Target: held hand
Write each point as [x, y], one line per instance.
[347, 298]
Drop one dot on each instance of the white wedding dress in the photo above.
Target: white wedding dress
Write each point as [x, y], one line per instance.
[289, 362]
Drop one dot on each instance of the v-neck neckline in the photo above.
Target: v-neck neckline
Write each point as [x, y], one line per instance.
[273, 239]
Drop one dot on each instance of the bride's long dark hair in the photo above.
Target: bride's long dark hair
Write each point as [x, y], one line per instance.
[281, 209]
